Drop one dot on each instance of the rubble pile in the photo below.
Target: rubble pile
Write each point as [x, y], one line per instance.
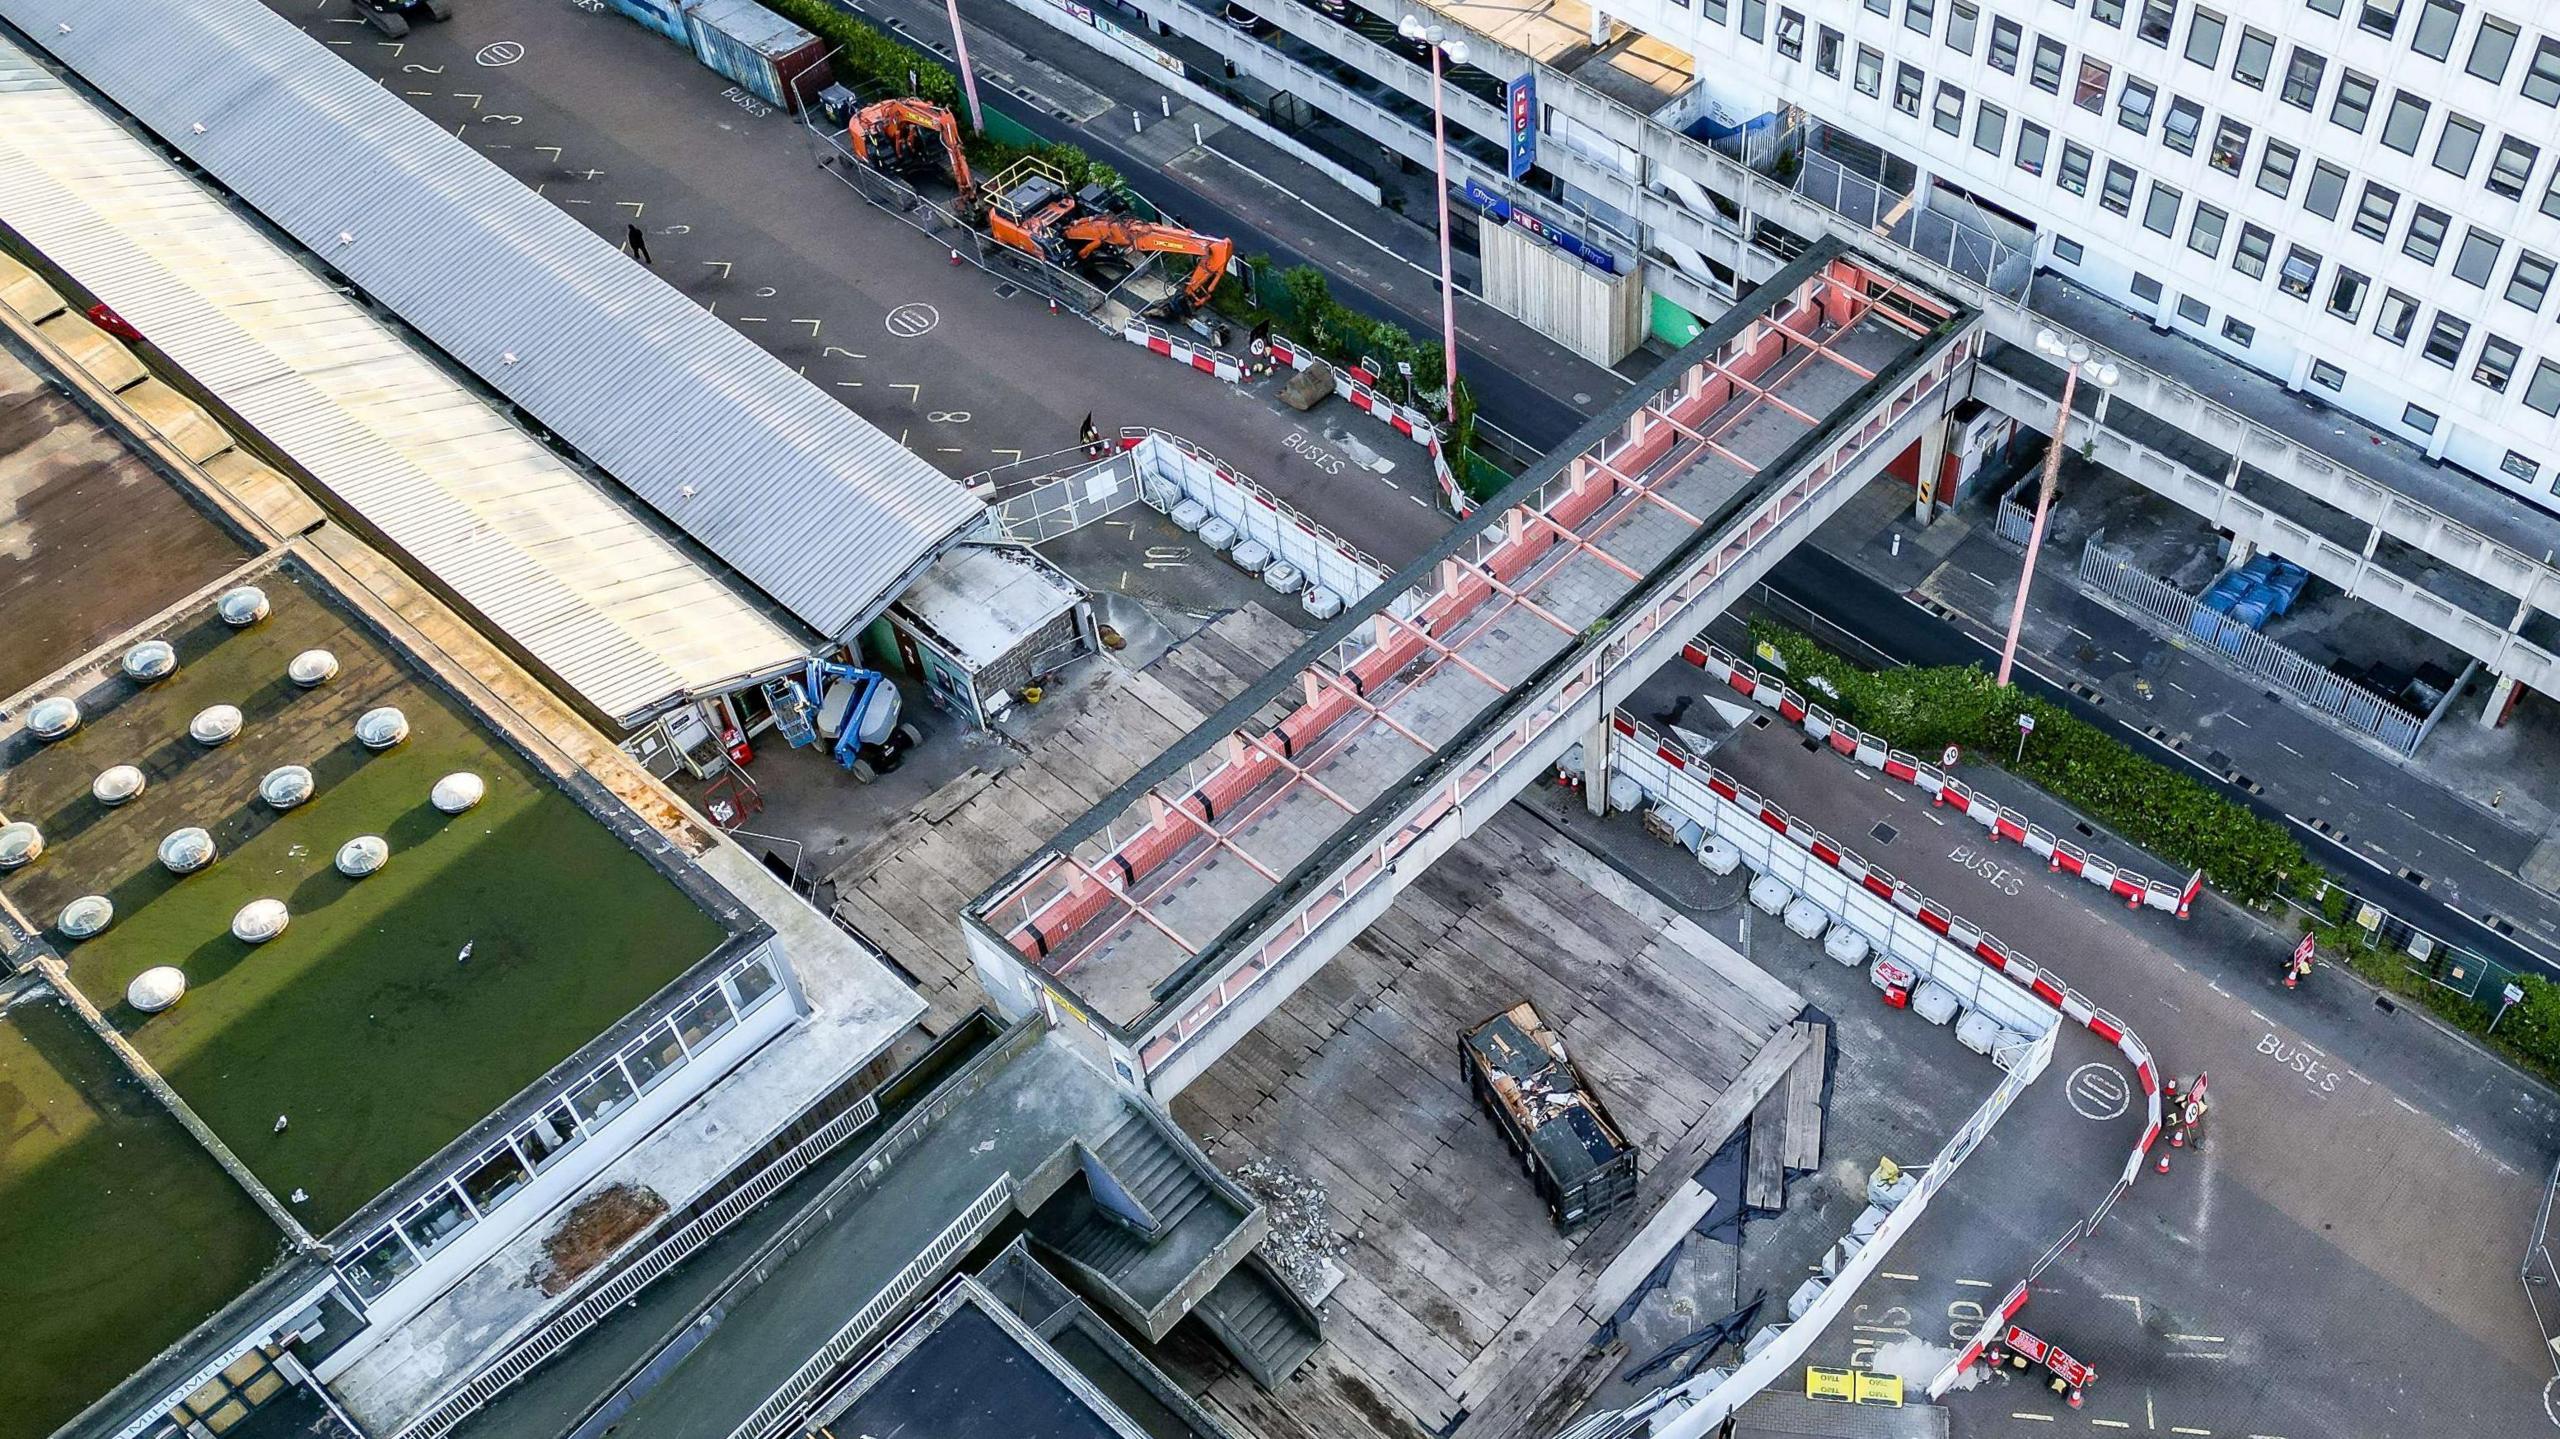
[1302, 1241]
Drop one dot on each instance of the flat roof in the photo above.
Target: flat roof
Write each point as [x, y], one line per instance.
[121, 1233]
[821, 510]
[395, 1012]
[982, 600]
[97, 540]
[964, 1374]
[565, 567]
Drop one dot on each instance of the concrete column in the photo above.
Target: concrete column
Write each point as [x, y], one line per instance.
[2242, 551]
[2502, 702]
[1596, 747]
[1933, 458]
[2441, 440]
[1599, 26]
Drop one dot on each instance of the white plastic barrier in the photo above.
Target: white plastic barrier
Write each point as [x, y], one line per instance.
[1257, 516]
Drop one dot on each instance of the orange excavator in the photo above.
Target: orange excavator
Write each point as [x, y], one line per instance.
[1033, 212]
[905, 136]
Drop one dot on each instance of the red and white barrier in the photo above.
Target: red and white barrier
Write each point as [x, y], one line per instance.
[1361, 388]
[1199, 357]
[1943, 788]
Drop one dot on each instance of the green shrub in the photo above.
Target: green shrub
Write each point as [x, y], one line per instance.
[1925, 710]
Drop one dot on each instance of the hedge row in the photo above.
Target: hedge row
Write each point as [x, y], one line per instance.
[1925, 710]
[2529, 1037]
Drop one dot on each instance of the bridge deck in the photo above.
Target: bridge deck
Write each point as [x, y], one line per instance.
[1137, 895]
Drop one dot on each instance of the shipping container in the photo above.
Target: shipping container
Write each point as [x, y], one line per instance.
[774, 59]
[1572, 1149]
[664, 16]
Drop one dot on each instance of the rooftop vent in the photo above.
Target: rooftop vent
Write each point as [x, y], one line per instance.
[457, 792]
[20, 843]
[312, 667]
[259, 920]
[115, 784]
[155, 989]
[86, 916]
[187, 850]
[285, 786]
[363, 855]
[381, 728]
[215, 724]
[53, 717]
[242, 607]
[150, 662]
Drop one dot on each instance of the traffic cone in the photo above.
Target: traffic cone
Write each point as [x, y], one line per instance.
[2290, 978]
[2073, 1398]
[2164, 1161]
[955, 258]
[2178, 1138]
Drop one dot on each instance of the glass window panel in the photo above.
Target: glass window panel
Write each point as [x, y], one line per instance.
[2068, 250]
[2397, 314]
[2204, 38]
[2238, 332]
[2133, 106]
[2193, 310]
[2327, 191]
[2275, 167]
[2374, 210]
[1919, 15]
[2530, 282]
[2437, 20]
[2478, 257]
[602, 1097]
[2427, 227]
[655, 1054]
[751, 982]
[2302, 71]
[2542, 77]
[2458, 144]
[2230, 146]
[2408, 121]
[1869, 77]
[2090, 93]
[2543, 393]
[2522, 466]
[2107, 12]
[2346, 294]
[1964, 21]
[2117, 194]
[2159, 17]
[1790, 35]
[2250, 256]
[1906, 89]
[2185, 123]
[379, 1264]
[2006, 39]
[2513, 167]
[2047, 75]
[2497, 363]
[499, 1174]
[2328, 376]
[2445, 339]
[2256, 55]
[2492, 48]
[2300, 271]
[2354, 104]
[2420, 419]
[2204, 232]
[1947, 114]
[1826, 52]
[2160, 209]
[2074, 175]
[1990, 128]
[705, 1019]
[435, 1219]
[2379, 17]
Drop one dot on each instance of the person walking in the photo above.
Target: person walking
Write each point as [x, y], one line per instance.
[636, 245]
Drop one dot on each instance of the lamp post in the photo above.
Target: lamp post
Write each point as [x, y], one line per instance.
[968, 76]
[1444, 51]
[2078, 362]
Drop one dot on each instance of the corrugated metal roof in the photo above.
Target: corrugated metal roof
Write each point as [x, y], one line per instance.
[824, 512]
[586, 586]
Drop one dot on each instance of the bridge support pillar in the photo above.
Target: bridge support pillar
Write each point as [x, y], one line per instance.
[1595, 763]
[1933, 464]
[2502, 702]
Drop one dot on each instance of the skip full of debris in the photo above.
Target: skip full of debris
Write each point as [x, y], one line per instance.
[1302, 1243]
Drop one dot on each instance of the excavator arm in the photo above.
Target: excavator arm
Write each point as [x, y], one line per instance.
[1097, 232]
[893, 134]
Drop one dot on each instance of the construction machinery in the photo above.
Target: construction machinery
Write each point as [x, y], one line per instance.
[392, 17]
[905, 137]
[1032, 210]
[854, 712]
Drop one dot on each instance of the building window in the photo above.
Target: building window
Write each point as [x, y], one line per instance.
[2397, 314]
[2250, 258]
[2458, 145]
[2204, 232]
[2006, 37]
[2551, 195]
[2068, 250]
[2328, 376]
[2160, 209]
[2408, 121]
[2275, 168]
[2542, 76]
[2230, 146]
[2374, 210]
[2425, 240]
[2512, 167]
[2046, 75]
[1920, 15]
[2346, 294]
[2354, 104]
[1790, 35]
[1990, 128]
[2492, 48]
[2238, 332]
[2033, 141]
[2328, 190]
[2091, 93]
[2133, 105]
[1755, 16]
[2159, 17]
[1963, 22]
[1713, 9]
[2420, 419]
[2445, 338]
[1906, 89]
[1870, 75]
[2107, 12]
[2185, 122]
[2300, 271]
[1826, 51]
[2250, 63]
[2074, 175]
[2146, 289]
[2204, 38]
[2437, 20]
[2542, 393]
[1948, 114]
[2193, 310]
[2497, 364]
[2530, 282]
[2302, 71]
[1880, 7]
[2521, 466]
[2478, 257]
[2379, 17]
[2117, 194]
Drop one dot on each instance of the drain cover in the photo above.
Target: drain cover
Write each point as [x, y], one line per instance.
[1007, 290]
[1759, 721]
[1884, 833]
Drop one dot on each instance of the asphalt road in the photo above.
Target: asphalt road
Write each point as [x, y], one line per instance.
[621, 127]
[1846, 597]
[2337, 1262]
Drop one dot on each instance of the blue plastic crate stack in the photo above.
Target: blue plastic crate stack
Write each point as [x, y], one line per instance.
[2263, 589]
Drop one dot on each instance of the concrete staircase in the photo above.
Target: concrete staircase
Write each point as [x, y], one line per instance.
[1172, 1231]
[1261, 1321]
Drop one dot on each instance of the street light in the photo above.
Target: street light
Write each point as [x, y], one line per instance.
[1453, 52]
[2078, 361]
[968, 76]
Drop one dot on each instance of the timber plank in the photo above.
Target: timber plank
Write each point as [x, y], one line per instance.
[1803, 1146]
[1764, 1179]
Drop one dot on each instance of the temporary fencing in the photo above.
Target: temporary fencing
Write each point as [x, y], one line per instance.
[1944, 789]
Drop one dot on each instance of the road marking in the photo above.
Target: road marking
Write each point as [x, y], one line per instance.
[1417, 499]
[554, 149]
[840, 350]
[2342, 779]
[1933, 819]
[2183, 1429]
[813, 327]
[2404, 1104]
[1017, 454]
[2235, 719]
[2182, 689]
[1905, 1278]
[1975, 1283]
[2172, 1008]
[2199, 1338]
[1977, 574]
[2119, 654]
[910, 320]
[2262, 1019]
[915, 393]
[2039, 1418]
[396, 46]
[2097, 1091]
[946, 449]
[848, 384]
[754, 319]
[475, 99]
[2288, 749]
[2218, 989]
[723, 266]
[2111, 1423]
[499, 52]
[417, 92]
[2466, 849]
[636, 206]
